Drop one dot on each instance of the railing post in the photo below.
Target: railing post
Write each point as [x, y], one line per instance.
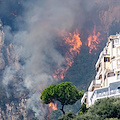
[109, 91]
[96, 93]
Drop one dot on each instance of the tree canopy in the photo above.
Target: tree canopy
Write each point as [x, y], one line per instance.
[68, 116]
[66, 93]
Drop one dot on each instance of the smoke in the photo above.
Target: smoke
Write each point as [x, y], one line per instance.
[35, 54]
[42, 21]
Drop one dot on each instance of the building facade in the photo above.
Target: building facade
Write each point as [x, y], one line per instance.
[107, 79]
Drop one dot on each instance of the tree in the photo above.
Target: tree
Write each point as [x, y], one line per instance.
[88, 116]
[66, 93]
[106, 108]
[83, 109]
[68, 116]
[103, 109]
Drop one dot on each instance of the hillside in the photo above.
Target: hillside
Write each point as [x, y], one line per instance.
[46, 39]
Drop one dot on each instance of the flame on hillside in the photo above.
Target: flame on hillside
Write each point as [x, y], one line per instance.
[93, 40]
[73, 41]
[52, 106]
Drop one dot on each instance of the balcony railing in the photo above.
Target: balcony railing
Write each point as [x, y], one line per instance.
[104, 94]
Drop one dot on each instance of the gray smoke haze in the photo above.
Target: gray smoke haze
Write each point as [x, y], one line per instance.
[35, 43]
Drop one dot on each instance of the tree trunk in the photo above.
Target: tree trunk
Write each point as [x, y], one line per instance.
[62, 109]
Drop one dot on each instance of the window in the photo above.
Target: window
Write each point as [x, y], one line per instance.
[111, 74]
[113, 45]
[97, 69]
[104, 77]
[116, 41]
[106, 59]
[99, 64]
[100, 76]
[118, 87]
[118, 75]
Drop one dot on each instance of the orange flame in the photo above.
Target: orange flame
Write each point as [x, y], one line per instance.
[74, 43]
[52, 106]
[93, 40]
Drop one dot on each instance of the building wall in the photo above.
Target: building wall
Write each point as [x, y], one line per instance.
[107, 72]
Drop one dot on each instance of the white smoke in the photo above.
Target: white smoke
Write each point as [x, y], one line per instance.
[35, 44]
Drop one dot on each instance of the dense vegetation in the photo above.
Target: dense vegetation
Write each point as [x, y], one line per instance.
[67, 94]
[104, 109]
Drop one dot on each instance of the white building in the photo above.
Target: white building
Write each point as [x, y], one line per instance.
[107, 79]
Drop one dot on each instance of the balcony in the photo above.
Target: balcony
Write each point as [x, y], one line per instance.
[94, 84]
[108, 94]
[99, 72]
[112, 90]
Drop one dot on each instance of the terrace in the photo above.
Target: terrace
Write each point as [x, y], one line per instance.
[112, 90]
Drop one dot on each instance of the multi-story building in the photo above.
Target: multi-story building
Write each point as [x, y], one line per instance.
[107, 79]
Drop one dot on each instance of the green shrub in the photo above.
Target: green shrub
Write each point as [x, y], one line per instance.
[106, 108]
[68, 116]
[83, 109]
[111, 119]
[88, 116]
